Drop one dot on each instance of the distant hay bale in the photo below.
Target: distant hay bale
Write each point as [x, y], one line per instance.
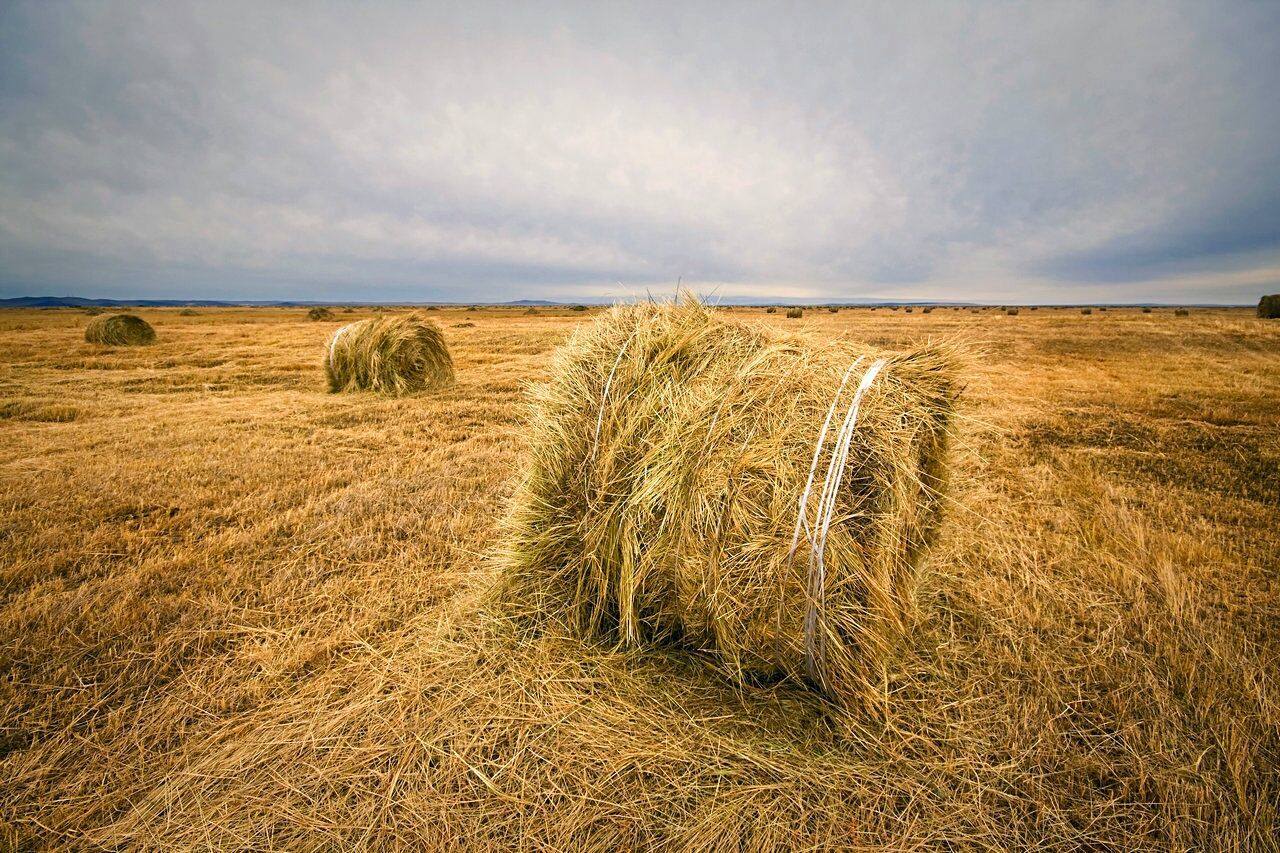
[1269, 307]
[318, 313]
[391, 355]
[1146, 310]
[1181, 312]
[698, 481]
[188, 312]
[348, 310]
[119, 330]
[1086, 310]
[834, 310]
[464, 325]
[795, 313]
[532, 312]
[1012, 312]
[908, 310]
[772, 309]
[472, 308]
[577, 308]
[93, 310]
[926, 310]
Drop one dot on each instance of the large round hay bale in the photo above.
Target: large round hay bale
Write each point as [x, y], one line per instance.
[1269, 307]
[392, 355]
[696, 480]
[119, 330]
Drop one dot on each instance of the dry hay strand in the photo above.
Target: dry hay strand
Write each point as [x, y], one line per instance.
[119, 330]
[795, 313]
[1269, 307]
[320, 314]
[696, 480]
[391, 355]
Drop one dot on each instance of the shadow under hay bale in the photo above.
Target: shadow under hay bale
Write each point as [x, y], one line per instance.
[119, 330]
[698, 481]
[1269, 307]
[390, 355]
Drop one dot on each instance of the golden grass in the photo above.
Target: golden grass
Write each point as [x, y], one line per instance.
[676, 457]
[119, 330]
[212, 640]
[388, 354]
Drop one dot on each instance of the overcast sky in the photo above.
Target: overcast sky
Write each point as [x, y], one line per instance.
[383, 151]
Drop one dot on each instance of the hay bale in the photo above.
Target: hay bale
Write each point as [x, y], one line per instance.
[772, 309]
[696, 480]
[1182, 312]
[1012, 312]
[319, 313]
[532, 312]
[927, 310]
[795, 313]
[93, 311]
[119, 330]
[1269, 307]
[1086, 310]
[577, 308]
[392, 355]
[1146, 310]
[833, 309]
[908, 310]
[188, 312]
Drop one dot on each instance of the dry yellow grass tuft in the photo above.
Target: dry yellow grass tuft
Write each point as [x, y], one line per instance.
[208, 640]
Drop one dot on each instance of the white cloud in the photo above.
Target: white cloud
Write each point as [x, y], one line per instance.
[936, 150]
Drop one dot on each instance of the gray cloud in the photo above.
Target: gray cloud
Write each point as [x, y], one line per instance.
[991, 151]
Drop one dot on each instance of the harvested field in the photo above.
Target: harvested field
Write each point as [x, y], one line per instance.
[240, 612]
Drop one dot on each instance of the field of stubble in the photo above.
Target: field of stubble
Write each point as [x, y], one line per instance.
[238, 612]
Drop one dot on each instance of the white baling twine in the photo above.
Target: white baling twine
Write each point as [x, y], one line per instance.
[604, 397]
[334, 340]
[815, 663]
